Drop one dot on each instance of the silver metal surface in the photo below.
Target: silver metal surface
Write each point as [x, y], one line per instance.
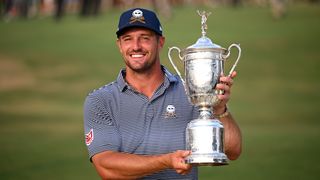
[204, 139]
[203, 67]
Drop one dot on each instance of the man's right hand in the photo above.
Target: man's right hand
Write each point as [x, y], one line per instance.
[178, 162]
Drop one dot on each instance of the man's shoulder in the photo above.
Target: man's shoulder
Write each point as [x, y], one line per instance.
[104, 90]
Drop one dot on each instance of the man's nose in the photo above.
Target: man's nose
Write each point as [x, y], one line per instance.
[136, 45]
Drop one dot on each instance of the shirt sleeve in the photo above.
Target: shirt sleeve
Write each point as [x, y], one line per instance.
[101, 133]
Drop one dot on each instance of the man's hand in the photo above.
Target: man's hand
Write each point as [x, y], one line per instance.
[178, 162]
[225, 85]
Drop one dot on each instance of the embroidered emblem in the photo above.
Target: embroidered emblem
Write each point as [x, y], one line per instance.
[89, 137]
[137, 15]
[171, 112]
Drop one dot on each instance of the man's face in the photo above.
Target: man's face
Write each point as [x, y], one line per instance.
[140, 48]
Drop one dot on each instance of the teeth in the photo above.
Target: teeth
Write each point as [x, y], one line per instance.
[137, 55]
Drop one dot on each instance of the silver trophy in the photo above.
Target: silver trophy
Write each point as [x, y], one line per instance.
[203, 66]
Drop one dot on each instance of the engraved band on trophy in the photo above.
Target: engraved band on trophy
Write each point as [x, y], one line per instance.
[203, 66]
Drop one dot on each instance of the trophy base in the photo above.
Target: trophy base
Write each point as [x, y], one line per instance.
[217, 159]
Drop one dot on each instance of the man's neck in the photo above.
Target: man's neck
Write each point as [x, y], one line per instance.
[146, 83]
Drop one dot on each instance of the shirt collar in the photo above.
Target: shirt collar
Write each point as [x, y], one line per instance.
[123, 85]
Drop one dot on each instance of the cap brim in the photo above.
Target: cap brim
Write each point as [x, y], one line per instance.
[126, 28]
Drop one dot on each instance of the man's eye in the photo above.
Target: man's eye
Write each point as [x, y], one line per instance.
[145, 38]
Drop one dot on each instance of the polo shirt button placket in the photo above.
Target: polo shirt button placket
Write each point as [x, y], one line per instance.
[149, 112]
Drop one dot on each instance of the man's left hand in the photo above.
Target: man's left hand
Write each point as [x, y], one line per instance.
[225, 85]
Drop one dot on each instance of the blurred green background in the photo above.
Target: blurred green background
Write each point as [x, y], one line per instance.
[47, 68]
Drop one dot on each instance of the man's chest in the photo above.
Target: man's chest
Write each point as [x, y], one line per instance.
[154, 127]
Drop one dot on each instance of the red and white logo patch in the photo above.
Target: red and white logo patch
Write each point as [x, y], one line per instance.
[89, 137]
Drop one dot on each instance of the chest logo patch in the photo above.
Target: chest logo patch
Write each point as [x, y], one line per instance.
[170, 112]
[89, 137]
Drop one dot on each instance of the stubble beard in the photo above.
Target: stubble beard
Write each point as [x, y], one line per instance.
[143, 68]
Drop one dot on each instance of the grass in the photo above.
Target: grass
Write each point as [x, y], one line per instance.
[47, 69]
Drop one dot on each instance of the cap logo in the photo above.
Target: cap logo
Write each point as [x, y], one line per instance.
[137, 15]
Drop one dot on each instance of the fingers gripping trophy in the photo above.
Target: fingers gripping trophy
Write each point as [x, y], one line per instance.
[203, 66]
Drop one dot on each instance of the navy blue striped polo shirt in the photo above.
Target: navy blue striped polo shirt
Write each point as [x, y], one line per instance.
[118, 118]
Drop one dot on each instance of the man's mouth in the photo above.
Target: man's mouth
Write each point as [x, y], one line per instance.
[137, 55]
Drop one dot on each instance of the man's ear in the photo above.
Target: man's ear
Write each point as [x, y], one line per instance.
[162, 40]
[119, 45]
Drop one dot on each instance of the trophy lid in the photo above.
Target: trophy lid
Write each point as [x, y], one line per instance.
[204, 41]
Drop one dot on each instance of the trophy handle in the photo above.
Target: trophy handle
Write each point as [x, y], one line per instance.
[228, 54]
[174, 66]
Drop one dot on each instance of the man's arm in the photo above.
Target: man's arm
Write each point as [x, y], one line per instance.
[232, 133]
[116, 165]
[232, 137]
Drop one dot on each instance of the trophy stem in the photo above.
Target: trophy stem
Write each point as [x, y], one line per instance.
[205, 112]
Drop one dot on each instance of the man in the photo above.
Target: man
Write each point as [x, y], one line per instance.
[135, 126]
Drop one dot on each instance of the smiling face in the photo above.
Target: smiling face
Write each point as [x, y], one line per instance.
[140, 49]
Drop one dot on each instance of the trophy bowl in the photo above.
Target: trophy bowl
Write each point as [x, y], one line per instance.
[202, 72]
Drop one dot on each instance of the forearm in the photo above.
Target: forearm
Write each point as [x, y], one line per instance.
[232, 137]
[115, 165]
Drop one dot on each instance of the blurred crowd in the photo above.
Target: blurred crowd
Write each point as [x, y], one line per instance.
[13, 9]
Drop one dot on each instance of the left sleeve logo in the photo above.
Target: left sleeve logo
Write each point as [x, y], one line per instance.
[89, 137]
